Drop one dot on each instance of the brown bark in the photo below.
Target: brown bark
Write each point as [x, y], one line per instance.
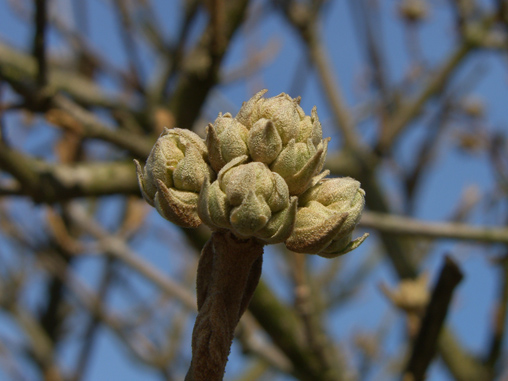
[228, 274]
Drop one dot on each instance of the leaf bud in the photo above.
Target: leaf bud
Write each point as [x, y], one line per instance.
[283, 137]
[226, 139]
[174, 174]
[327, 215]
[264, 141]
[299, 162]
[250, 200]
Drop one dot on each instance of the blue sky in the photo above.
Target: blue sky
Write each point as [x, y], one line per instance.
[451, 173]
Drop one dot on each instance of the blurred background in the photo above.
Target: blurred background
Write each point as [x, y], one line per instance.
[95, 285]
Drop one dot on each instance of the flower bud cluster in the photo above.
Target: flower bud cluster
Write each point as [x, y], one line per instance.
[257, 175]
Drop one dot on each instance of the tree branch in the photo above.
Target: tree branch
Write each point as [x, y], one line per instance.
[305, 22]
[201, 68]
[89, 126]
[389, 223]
[425, 344]
[50, 183]
[410, 110]
[39, 46]
[18, 66]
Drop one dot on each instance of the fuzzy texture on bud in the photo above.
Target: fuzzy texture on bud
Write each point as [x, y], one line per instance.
[250, 200]
[327, 215]
[226, 139]
[257, 175]
[174, 174]
[283, 137]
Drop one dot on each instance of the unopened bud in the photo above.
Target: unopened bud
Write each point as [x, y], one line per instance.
[327, 214]
[174, 174]
[226, 139]
[250, 200]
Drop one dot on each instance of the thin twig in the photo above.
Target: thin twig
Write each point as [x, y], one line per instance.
[458, 360]
[41, 346]
[216, 9]
[129, 43]
[117, 248]
[91, 127]
[93, 325]
[368, 25]
[389, 223]
[19, 66]
[174, 55]
[332, 90]
[135, 341]
[193, 87]
[306, 301]
[410, 110]
[305, 22]
[426, 342]
[39, 47]
[500, 315]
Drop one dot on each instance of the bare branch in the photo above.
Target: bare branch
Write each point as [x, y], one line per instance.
[426, 342]
[201, 68]
[39, 46]
[49, 183]
[410, 110]
[305, 22]
[408, 226]
[89, 126]
[118, 249]
[18, 66]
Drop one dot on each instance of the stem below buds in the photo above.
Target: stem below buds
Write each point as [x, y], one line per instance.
[228, 273]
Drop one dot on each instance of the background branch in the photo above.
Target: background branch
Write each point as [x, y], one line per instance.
[78, 103]
[426, 341]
